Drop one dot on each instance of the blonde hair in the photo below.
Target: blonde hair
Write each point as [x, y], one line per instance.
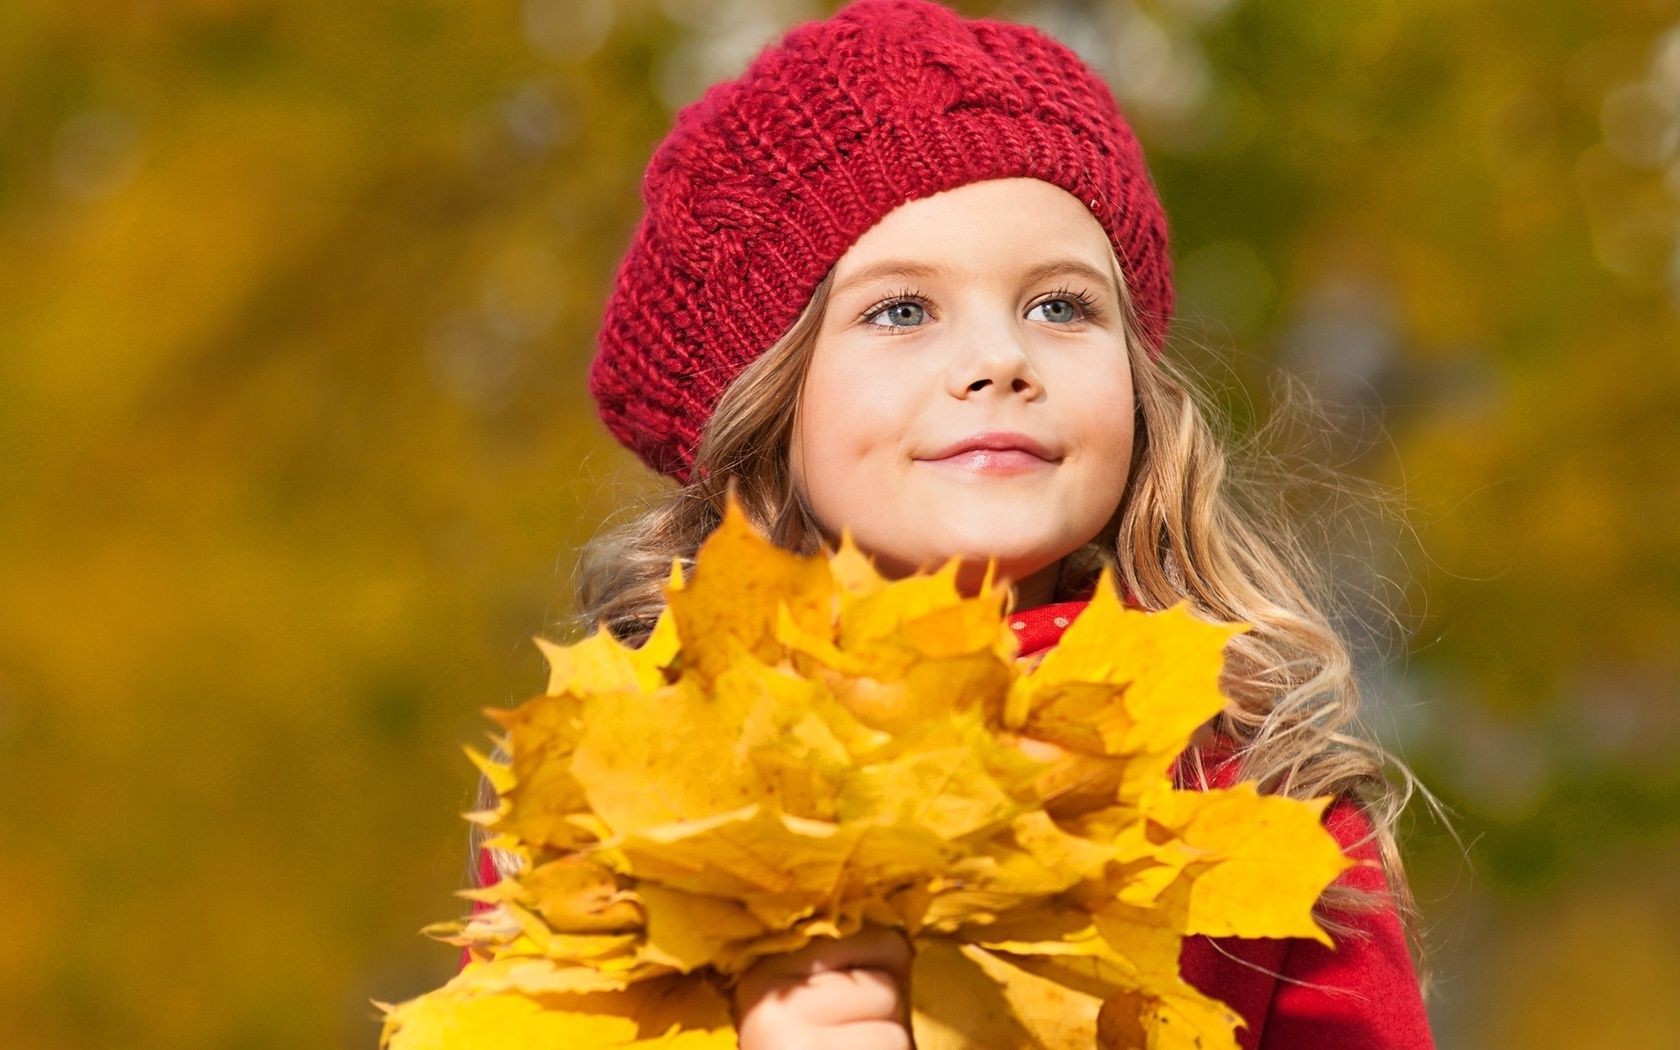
[1179, 535]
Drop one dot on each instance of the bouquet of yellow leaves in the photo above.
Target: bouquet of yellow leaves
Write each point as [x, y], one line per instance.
[801, 747]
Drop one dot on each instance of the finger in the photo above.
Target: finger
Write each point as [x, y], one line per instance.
[839, 997]
[826, 997]
[876, 947]
[830, 1003]
[869, 1035]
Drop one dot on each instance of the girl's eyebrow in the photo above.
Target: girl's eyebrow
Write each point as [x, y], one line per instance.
[909, 269]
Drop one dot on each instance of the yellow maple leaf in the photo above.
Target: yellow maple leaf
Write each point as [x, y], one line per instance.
[1124, 683]
[966, 998]
[734, 596]
[1254, 863]
[695, 742]
[1176, 1018]
[573, 894]
[601, 663]
[541, 736]
[662, 1014]
[803, 746]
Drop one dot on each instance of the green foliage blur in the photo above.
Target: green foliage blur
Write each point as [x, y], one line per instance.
[295, 454]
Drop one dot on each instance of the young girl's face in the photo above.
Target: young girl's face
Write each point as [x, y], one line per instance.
[969, 392]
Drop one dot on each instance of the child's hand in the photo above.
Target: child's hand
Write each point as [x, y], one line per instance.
[830, 995]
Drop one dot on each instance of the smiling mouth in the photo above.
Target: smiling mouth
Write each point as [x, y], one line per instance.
[992, 461]
[996, 441]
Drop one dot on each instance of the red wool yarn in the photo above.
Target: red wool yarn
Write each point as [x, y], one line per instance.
[766, 180]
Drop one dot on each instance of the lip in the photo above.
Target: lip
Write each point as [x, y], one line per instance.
[994, 454]
[999, 441]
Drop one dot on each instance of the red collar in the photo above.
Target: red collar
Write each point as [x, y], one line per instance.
[1040, 628]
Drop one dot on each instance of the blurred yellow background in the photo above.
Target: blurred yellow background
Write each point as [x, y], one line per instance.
[295, 454]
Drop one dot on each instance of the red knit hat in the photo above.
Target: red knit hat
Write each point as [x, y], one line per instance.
[765, 182]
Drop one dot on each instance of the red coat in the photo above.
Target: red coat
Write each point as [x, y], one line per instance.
[1295, 994]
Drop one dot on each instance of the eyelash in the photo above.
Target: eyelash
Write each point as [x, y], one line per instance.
[1087, 303]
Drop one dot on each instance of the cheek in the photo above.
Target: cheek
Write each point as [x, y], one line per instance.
[851, 419]
[1109, 436]
[835, 437]
[1114, 438]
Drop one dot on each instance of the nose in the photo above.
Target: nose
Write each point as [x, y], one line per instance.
[997, 360]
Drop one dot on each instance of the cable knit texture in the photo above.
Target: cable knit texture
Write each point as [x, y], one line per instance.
[765, 181]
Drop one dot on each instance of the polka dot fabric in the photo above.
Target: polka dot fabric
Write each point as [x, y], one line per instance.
[766, 180]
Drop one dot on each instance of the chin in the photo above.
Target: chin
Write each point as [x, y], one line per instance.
[1018, 554]
[1008, 528]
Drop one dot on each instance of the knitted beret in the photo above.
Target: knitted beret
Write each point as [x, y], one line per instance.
[765, 181]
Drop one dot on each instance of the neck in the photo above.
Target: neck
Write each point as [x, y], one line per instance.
[1029, 591]
[1039, 588]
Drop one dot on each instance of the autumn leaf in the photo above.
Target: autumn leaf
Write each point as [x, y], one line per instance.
[1254, 864]
[967, 998]
[733, 599]
[804, 746]
[1124, 685]
[663, 1014]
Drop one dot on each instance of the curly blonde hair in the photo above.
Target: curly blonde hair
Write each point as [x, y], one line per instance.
[1179, 536]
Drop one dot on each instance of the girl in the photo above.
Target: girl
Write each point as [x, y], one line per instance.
[909, 275]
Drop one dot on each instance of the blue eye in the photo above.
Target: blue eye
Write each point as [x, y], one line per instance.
[1075, 306]
[1065, 307]
[906, 306]
[1067, 313]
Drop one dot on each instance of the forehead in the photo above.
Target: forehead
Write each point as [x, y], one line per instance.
[1017, 228]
